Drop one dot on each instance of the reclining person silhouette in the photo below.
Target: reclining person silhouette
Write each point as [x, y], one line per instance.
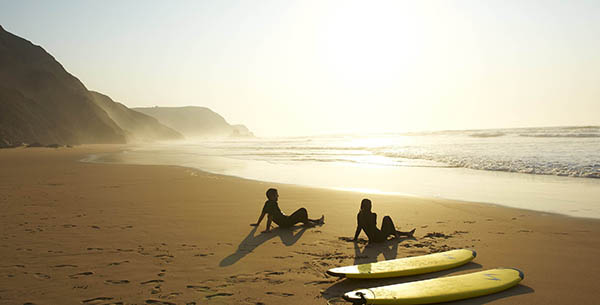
[274, 214]
[367, 221]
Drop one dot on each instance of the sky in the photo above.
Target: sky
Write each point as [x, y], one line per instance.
[291, 68]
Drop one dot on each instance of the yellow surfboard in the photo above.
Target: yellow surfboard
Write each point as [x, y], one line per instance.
[406, 266]
[438, 290]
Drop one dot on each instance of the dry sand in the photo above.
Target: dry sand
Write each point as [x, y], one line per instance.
[83, 233]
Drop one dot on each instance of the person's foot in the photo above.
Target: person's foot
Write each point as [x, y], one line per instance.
[315, 222]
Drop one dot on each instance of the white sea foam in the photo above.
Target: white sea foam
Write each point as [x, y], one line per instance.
[560, 151]
[514, 167]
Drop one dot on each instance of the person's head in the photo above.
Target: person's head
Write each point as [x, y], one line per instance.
[272, 194]
[365, 205]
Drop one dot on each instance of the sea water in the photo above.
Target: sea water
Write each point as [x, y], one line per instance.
[553, 169]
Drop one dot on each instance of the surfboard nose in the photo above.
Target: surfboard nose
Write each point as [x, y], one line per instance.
[521, 274]
[333, 272]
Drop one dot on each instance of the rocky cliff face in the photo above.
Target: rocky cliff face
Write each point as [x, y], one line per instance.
[41, 102]
[195, 121]
[138, 127]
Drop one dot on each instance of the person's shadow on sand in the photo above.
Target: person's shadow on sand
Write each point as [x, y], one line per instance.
[371, 251]
[288, 236]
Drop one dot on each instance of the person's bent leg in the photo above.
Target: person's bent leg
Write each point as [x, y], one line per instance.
[300, 215]
[387, 226]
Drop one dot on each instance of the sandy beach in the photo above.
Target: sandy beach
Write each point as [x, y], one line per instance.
[83, 233]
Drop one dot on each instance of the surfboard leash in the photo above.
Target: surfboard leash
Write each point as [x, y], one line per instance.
[362, 301]
[334, 301]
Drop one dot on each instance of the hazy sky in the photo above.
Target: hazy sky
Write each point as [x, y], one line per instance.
[316, 67]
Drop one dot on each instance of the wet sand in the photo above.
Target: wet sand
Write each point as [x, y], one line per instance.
[84, 233]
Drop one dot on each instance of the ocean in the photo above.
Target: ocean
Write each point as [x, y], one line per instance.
[549, 169]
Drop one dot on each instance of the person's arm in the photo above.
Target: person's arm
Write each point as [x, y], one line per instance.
[268, 229]
[260, 218]
[358, 229]
[262, 215]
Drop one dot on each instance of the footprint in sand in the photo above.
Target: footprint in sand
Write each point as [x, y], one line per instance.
[437, 235]
[171, 295]
[96, 300]
[281, 294]
[16, 266]
[151, 282]
[267, 273]
[41, 276]
[159, 302]
[81, 274]
[199, 288]
[65, 266]
[116, 282]
[220, 294]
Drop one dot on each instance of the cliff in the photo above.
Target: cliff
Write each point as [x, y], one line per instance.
[194, 121]
[41, 102]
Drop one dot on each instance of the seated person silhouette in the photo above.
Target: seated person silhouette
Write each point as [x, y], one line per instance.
[274, 214]
[367, 221]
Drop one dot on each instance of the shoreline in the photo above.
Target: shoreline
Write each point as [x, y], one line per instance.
[540, 193]
[77, 232]
[358, 192]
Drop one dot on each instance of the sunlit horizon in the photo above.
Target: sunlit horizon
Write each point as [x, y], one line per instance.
[337, 67]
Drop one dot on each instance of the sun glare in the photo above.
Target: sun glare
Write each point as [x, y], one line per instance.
[371, 45]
